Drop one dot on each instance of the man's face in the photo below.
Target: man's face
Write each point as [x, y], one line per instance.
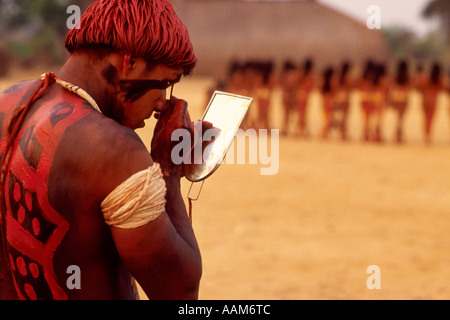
[144, 93]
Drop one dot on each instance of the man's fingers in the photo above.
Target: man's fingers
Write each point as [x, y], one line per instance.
[206, 125]
[166, 112]
[178, 117]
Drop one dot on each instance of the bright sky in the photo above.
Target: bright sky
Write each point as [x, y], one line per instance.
[405, 13]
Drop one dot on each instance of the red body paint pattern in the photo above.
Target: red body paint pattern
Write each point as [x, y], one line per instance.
[34, 228]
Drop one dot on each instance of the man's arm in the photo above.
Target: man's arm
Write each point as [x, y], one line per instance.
[163, 255]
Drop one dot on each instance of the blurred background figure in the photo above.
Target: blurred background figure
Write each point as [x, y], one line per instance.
[420, 79]
[431, 91]
[398, 96]
[264, 85]
[373, 88]
[448, 85]
[419, 82]
[250, 89]
[235, 82]
[381, 88]
[448, 81]
[305, 86]
[341, 101]
[288, 83]
[232, 82]
[367, 89]
[327, 91]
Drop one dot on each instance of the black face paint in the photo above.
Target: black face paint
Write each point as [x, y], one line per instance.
[110, 74]
[135, 89]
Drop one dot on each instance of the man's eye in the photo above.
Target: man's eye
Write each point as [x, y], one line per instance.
[167, 84]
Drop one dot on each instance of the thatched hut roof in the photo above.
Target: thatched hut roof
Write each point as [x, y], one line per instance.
[279, 30]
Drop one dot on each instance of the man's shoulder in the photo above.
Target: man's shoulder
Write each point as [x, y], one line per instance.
[101, 134]
[101, 152]
[18, 87]
[17, 94]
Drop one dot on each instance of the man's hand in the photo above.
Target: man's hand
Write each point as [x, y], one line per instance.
[174, 116]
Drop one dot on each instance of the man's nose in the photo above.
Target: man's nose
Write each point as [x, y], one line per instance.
[160, 102]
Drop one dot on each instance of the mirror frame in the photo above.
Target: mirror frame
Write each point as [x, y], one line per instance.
[199, 175]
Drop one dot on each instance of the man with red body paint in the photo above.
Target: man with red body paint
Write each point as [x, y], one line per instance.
[67, 157]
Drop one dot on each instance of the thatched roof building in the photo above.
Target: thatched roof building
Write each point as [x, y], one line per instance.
[225, 29]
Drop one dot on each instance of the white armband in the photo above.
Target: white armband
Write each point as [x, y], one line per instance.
[137, 201]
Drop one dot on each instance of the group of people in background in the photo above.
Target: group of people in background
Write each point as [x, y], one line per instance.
[378, 90]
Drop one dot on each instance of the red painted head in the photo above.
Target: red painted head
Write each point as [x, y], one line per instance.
[148, 29]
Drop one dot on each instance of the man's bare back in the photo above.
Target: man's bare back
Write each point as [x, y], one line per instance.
[86, 150]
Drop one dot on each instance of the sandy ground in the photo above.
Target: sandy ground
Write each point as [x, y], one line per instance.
[332, 210]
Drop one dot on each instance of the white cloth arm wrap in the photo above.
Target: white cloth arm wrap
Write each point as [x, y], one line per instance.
[137, 201]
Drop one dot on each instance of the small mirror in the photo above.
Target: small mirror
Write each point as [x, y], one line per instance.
[225, 111]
